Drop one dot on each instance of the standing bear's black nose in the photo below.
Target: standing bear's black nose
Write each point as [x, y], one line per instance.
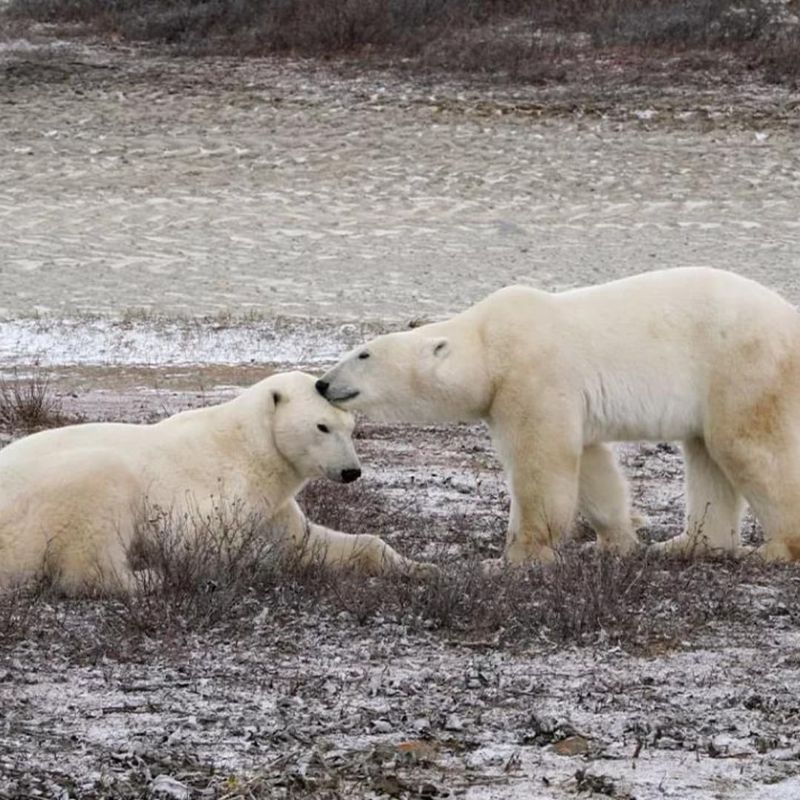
[322, 386]
[350, 475]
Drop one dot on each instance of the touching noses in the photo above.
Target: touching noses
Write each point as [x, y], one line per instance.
[322, 387]
[350, 475]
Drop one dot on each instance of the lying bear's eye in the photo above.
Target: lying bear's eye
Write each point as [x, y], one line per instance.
[323, 428]
[365, 354]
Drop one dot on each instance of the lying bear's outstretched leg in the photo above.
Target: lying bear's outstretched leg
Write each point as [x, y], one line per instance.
[365, 553]
[713, 505]
[604, 499]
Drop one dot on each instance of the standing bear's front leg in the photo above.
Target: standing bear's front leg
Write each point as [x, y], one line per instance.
[542, 458]
[604, 500]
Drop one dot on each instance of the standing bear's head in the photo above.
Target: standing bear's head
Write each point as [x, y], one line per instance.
[435, 373]
[308, 432]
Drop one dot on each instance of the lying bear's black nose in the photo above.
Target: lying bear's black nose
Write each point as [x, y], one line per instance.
[322, 387]
[350, 475]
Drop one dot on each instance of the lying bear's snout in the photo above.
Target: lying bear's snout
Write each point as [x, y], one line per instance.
[322, 386]
[350, 475]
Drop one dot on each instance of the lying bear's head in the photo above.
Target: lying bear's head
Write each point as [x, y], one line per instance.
[311, 434]
[430, 374]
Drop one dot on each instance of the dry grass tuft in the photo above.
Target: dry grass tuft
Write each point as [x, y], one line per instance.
[29, 404]
[196, 571]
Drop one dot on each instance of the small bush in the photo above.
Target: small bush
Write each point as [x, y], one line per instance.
[250, 26]
[780, 58]
[193, 571]
[19, 607]
[28, 405]
[583, 598]
[226, 568]
[358, 508]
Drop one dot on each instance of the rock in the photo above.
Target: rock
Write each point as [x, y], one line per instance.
[571, 746]
[167, 786]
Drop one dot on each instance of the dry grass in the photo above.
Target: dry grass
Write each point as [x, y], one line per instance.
[519, 40]
[217, 574]
[196, 571]
[29, 404]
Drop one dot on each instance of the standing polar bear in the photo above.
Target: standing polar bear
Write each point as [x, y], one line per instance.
[72, 496]
[695, 354]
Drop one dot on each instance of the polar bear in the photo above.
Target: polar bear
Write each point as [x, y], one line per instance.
[693, 354]
[70, 496]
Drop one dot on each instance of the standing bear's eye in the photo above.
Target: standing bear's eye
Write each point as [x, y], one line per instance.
[323, 428]
[365, 354]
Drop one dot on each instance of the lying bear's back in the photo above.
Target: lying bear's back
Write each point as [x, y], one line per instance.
[116, 436]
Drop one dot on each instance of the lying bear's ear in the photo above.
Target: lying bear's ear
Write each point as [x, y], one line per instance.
[441, 347]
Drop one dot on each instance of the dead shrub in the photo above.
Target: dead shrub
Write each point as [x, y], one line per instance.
[29, 404]
[514, 52]
[780, 57]
[253, 27]
[681, 24]
[19, 607]
[193, 570]
[222, 570]
[583, 598]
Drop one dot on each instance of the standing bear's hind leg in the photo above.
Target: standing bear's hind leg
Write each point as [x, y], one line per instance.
[713, 506]
[759, 450]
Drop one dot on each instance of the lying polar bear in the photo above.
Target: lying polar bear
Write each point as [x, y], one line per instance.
[71, 495]
[695, 354]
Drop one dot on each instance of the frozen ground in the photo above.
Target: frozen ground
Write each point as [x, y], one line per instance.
[316, 704]
[170, 228]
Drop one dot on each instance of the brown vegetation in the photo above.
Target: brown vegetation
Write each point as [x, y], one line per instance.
[527, 40]
[219, 573]
[28, 405]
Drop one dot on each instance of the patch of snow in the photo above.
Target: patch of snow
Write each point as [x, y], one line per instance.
[55, 342]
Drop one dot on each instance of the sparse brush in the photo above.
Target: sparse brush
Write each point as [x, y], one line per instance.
[583, 598]
[224, 570]
[194, 570]
[18, 609]
[29, 404]
[519, 40]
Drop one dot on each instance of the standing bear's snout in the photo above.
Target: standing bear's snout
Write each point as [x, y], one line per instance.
[322, 386]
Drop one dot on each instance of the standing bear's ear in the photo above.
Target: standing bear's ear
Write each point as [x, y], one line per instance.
[440, 347]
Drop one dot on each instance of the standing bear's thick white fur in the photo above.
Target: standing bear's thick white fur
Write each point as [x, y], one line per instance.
[70, 496]
[692, 354]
